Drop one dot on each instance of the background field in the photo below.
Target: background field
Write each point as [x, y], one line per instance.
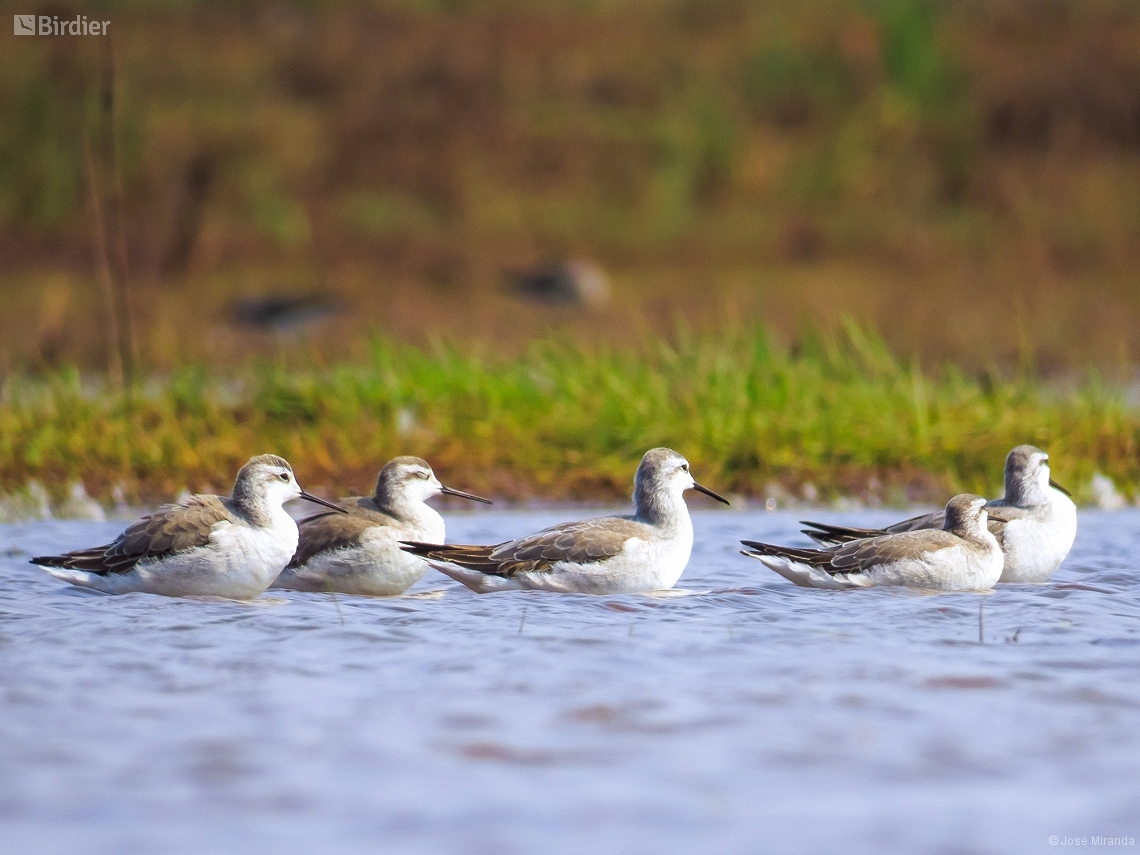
[863, 245]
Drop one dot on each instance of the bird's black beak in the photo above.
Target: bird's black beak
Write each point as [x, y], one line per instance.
[309, 497]
[447, 491]
[709, 492]
[1057, 486]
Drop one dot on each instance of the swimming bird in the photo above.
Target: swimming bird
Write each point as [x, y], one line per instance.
[358, 552]
[1037, 525]
[645, 551]
[220, 546]
[961, 556]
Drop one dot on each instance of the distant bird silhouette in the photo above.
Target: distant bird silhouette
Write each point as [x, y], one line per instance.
[282, 312]
[562, 283]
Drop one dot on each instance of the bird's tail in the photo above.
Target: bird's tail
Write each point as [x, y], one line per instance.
[803, 567]
[92, 560]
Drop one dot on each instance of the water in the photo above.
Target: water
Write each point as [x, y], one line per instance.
[744, 715]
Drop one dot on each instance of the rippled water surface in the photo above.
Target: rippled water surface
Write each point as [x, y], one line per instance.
[740, 715]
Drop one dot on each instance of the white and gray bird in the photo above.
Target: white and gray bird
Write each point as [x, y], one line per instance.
[358, 552]
[219, 546]
[646, 551]
[1036, 523]
[961, 556]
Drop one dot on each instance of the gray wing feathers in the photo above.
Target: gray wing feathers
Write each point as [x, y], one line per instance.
[859, 556]
[935, 519]
[331, 531]
[831, 535]
[835, 534]
[170, 529]
[585, 542]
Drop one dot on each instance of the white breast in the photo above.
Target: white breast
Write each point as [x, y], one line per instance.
[1037, 543]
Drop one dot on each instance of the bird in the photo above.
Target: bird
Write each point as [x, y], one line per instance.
[358, 552]
[220, 546]
[282, 312]
[1036, 528]
[645, 551]
[961, 556]
[562, 283]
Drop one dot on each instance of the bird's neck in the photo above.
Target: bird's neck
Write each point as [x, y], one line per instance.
[975, 532]
[259, 512]
[1026, 492]
[664, 510]
[415, 514]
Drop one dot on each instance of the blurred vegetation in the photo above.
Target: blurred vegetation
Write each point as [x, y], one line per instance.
[561, 421]
[963, 176]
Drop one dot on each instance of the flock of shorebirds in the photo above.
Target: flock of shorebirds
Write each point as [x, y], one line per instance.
[239, 546]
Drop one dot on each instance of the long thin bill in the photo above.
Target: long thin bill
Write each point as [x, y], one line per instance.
[447, 491]
[1057, 486]
[316, 500]
[709, 492]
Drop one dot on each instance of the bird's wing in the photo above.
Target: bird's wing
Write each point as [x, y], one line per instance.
[934, 519]
[586, 542]
[170, 529]
[828, 534]
[331, 531]
[859, 556]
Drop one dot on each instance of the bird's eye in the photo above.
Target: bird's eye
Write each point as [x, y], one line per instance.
[284, 476]
[684, 467]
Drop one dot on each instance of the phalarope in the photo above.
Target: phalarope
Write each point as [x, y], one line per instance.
[646, 551]
[1036, 530]
[221, 546]
[358, 552]
[961, 556]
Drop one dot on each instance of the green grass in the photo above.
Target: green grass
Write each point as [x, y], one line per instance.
[563, 422]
